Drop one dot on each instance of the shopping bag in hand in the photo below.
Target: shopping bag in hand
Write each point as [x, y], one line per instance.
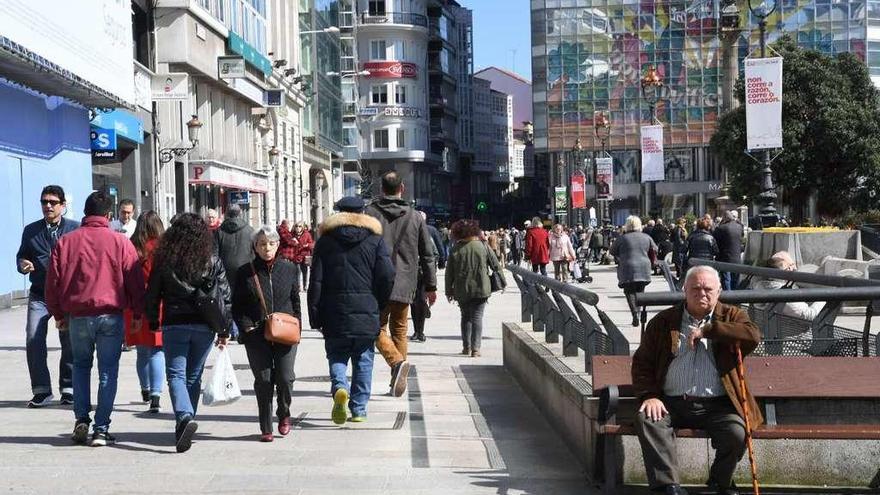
[576, 270]
[222, 388]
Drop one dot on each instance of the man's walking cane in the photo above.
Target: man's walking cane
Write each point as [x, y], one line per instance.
[740, 370]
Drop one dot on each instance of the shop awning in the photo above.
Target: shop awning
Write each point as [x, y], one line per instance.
[18, 64]
[219, 173]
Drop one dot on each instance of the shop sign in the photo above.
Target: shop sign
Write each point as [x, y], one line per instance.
[652, 153]
[402, 112]
[561, 198]
[578, 195]
[231, 67]
[391, 70]
[172, 86]
[208, 172]
[103, 143]
[125, 124]
[239, 197]
[763, 103]
[142, 92]
[274, 98]
[251, 55]
[604, 178]
[368, 111]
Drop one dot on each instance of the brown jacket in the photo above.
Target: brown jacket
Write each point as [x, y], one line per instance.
[730, 324]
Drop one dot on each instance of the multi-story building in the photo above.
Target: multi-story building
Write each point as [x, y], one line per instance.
[589, 56]
[519, 88]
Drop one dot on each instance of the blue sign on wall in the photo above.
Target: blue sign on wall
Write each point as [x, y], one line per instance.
[126, 125]
[239, 197]
[103, 142]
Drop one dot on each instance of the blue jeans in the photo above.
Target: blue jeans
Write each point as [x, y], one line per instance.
[88, 334]
[360, 352]
[151, 368]
[186, 349]
[37, 352]
[729, 280]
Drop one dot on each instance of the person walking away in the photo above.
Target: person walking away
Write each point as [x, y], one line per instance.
[419, 308]
[150, 363]
[684, 375]
[32, 259]
[633, 262]
[407, 236]
[596, 242]
[679, 246]
[302, 243]
[440, 256]
[94, 275]
[729, 237]
[287, 246]
[125, 223]
[234, 245]
[352, 279]
[467, 282]
[561, 252]
[184, 262]
[503, 246]
[516, 246]
[538, 246]
[275, 280]
[701, 244]
[661, 234]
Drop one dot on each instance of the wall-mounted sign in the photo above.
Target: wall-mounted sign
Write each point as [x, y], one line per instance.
[391, 70]
[231, 67]
[238, 45]
[239, 197]
[103, 143]
[274, 98]
[368, 111]
[402, 112]
[126, 125]
[173, 86]
[216, 173]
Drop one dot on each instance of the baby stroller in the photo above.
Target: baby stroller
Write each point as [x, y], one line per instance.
[581, 272]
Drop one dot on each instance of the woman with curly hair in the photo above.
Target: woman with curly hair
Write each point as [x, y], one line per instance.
[184, 262]
[150, 358]
[467, 281]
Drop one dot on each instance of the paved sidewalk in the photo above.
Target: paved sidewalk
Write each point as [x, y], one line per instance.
[464, 427]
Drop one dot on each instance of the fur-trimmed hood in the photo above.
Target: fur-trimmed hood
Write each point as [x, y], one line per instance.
[351, 227]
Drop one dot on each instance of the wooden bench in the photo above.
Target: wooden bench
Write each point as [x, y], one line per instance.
[774, 381]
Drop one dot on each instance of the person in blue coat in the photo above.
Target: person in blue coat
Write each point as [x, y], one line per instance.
[351, 281]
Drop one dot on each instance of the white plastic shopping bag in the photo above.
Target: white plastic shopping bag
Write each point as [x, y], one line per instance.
[576, 270]
[222, 388]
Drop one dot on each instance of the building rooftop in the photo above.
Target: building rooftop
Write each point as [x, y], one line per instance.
[505, 72]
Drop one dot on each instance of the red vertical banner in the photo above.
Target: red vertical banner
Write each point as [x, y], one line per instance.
[578, 194]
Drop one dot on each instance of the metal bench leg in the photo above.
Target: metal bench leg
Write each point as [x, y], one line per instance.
[613, 470]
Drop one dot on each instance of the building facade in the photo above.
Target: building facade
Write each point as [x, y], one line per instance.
[589, 56]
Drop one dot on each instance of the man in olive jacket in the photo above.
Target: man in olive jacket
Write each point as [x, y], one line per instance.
[684, 375]
[406, 235]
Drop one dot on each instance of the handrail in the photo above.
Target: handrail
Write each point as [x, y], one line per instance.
[792, 276]
[769, 296]
[582, 295]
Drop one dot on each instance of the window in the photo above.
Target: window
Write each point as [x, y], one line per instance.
[380, 94]
[400, 94]
[401, 139]
[377, 7]
[378, 50]
[399, 52]
[380, 139]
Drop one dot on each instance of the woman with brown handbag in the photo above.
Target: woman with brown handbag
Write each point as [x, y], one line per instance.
[268, 287]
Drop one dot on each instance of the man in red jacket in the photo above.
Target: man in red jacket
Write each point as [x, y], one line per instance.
[94, 274]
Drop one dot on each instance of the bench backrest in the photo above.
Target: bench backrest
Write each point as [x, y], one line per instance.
[776, 376]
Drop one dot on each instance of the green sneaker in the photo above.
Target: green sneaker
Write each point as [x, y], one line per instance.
[340, 404]
[358, 419]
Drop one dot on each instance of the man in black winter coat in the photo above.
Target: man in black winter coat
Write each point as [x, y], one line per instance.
[352, 279]
[233, 242]
[729, 237]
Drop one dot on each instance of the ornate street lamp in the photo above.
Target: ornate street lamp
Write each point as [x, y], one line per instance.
[602, 127]
[761, 10]
[192, 128]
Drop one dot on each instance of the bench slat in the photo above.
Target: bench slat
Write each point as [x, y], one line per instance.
[828, 432]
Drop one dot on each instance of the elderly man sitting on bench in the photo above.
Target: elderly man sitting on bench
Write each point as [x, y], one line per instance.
[684, 375]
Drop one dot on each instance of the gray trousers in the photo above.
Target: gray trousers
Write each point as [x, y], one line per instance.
[472, 322]
[717, 416]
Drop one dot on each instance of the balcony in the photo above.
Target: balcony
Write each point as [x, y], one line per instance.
[403, 18]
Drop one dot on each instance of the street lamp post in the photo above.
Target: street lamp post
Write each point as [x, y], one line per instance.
[602, 126]
[762, 9]
[651, 88]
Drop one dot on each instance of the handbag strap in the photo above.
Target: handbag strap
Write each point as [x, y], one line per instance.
[259, 290]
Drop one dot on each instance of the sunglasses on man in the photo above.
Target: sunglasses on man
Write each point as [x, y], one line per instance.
[51, 202]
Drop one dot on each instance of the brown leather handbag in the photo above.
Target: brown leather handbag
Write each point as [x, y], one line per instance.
[280, 328]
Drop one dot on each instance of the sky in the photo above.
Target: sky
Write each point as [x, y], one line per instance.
[501, 30]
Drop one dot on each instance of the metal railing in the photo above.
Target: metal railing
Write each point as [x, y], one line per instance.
[407, 18]
[560, 310]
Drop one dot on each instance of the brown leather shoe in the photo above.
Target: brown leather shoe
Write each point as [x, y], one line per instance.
[475, 353]
[284, 426]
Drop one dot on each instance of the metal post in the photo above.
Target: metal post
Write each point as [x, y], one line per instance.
[768, 193]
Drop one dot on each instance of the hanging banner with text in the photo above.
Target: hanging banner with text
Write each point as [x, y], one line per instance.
[763, 103]
[578, 195]
[604, 178]
[561, 199]
[652, 153]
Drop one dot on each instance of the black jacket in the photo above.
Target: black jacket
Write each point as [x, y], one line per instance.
[234, 245]
[36, 247]
[407, 237]
[438, 243]
[352, 277]
[280, 284]
[175, 296]
[701, 244]
[729, 237]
